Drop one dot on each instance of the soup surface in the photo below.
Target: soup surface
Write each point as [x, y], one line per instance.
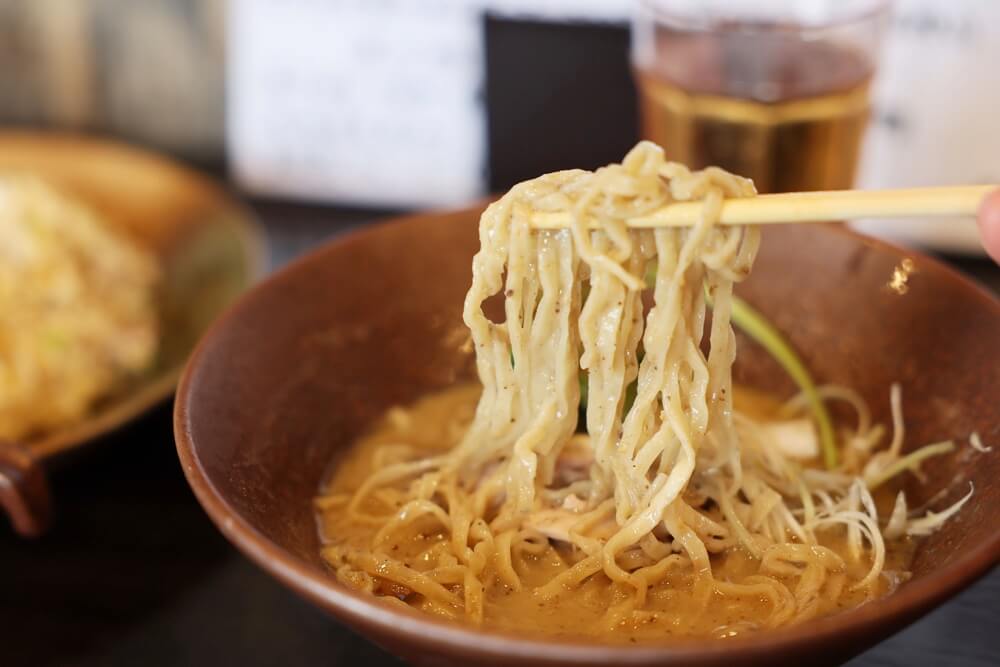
[677, 602]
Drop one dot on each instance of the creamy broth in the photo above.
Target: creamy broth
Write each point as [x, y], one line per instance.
[675, 606]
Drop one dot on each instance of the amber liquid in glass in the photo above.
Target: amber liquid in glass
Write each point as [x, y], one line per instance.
[790, 113]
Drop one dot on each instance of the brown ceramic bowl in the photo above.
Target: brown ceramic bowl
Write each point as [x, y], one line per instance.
[304, 363]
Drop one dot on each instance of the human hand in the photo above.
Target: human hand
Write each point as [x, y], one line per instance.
[989, 224]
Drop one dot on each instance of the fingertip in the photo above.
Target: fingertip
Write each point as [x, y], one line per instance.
[989, 224]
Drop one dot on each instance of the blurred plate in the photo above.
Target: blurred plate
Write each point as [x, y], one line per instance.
[210, 249]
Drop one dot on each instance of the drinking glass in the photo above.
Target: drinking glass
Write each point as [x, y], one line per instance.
[775, 90]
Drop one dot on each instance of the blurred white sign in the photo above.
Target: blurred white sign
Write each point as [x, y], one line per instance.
[368, 101]
[937, 100]
[357, 101]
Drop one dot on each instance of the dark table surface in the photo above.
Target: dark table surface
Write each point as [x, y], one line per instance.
[133, 573]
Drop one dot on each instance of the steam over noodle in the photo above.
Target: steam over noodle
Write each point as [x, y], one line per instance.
[673, 513]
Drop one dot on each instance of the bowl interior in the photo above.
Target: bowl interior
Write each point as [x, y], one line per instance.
[304, 364]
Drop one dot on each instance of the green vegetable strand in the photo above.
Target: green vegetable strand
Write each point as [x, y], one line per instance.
[761, 330]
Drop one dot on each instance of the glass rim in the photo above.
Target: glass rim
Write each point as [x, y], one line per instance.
[658, 13]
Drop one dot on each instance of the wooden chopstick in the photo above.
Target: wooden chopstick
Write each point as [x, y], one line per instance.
[952, 201]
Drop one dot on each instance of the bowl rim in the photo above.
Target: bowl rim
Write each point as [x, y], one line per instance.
[359, 610]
